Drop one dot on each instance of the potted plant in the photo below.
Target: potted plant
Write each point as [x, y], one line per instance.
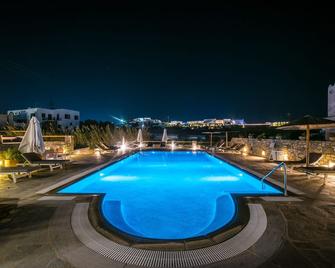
[11, 157]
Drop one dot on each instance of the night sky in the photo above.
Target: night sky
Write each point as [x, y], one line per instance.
[257, 63]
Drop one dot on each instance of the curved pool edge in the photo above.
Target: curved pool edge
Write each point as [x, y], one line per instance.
[235, 245]
[102, 226]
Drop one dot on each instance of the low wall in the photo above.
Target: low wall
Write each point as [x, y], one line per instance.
[295, 149]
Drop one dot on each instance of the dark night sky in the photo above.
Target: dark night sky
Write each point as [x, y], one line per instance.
[258, 63]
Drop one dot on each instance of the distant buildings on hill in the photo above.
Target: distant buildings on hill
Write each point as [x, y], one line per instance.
[63, 119]
[205, 123]
[149, 122]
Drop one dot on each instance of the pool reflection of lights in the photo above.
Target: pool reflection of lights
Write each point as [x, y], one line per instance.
[220, 178]
[119, 178]
[169, 195]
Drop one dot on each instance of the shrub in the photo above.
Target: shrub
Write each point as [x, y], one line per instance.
[11, 154]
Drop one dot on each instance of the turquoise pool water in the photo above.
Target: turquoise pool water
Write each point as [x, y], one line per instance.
[169, 195]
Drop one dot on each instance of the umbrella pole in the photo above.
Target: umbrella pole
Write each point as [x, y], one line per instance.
[307, 145]
[211, 142]
[226, 139]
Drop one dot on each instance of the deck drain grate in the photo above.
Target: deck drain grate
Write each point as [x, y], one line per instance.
[151, 258]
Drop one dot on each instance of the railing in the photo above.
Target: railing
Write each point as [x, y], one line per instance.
[282, 164]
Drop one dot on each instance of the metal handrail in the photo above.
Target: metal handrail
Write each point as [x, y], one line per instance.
[282, 164]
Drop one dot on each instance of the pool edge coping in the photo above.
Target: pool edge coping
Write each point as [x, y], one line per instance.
[82, 174]
[234, 246]
[258, 174]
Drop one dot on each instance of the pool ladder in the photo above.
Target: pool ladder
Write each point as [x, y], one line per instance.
[282, 164]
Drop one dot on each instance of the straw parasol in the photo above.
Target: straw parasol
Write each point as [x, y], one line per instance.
[307, 123]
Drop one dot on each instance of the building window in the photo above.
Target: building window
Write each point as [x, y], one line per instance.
[49, 116]
[67, 116]
[43, 116]
[76, 117]
[58, 117]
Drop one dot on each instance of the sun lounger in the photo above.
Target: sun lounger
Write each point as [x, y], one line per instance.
[314, 158]
[325, 171]
[18, 172]
[34, 159]
[235, 148]
[104, 147]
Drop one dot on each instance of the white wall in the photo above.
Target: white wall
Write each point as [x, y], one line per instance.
[66, 119]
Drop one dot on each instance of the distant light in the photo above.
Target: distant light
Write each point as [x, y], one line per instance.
[97, 153]
[123, 147]
[285, 157]
[263, 153]
[331, 164]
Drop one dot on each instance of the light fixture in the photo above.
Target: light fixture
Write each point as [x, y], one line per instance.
[263, 153]
[97, 152]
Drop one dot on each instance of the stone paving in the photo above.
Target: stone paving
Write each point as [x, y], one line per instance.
[32, 232]
[310, 224]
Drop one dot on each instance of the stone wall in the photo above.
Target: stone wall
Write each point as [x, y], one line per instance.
[295, 149]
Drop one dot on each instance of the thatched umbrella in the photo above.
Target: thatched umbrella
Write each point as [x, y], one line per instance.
[307, 123]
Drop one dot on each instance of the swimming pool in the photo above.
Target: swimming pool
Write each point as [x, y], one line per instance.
[169, 195]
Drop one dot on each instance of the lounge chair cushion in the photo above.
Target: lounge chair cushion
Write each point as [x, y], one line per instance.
[50, 162]
[32, 156]
[6, 170]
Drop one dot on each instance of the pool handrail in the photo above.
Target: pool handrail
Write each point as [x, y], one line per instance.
[282, 164]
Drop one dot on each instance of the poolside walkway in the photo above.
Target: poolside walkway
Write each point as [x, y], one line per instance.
[38, 233]
[309, 239]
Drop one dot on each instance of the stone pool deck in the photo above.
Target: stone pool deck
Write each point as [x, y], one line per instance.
[36, 233]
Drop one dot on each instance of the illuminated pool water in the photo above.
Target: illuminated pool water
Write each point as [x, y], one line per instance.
[169, 195]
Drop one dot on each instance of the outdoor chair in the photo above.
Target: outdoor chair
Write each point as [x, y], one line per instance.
[18, 172]
[314, 158]
[34, 159]
[317, 170]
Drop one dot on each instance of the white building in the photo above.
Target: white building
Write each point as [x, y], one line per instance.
[331, 102]
[65, 119]
[145, 122]
[215, 122]
[331, 109]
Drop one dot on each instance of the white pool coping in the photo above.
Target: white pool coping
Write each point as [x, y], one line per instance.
[91, 170]
[77, 176]
[259, 175]
[249, 235]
